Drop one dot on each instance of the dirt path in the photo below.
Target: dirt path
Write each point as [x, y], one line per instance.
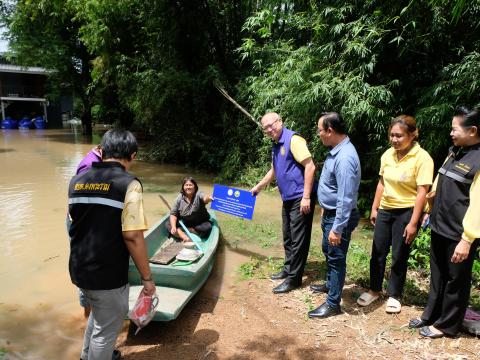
[246, 321]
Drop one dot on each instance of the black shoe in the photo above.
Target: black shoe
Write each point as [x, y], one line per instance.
[416, 324]
[279, 276]
[117, 355]
[285, 287]
[426, 332]
[320, 288]
[324, 311]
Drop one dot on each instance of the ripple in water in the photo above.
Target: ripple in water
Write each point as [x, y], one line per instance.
[15, 214]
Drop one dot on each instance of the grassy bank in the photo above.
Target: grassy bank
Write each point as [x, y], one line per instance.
[266, 237]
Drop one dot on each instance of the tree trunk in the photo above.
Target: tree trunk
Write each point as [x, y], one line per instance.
[87, 118]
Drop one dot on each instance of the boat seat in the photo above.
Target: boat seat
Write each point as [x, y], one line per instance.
[168, 300]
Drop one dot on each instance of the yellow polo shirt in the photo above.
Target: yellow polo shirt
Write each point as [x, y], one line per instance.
[299, 149]
[471, 221]
[133, 216]
[401, 177]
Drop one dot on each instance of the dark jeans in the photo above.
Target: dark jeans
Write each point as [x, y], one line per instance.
[203, 229]
[297, 231]
[389, 228]
[336, 256]
[449, 285]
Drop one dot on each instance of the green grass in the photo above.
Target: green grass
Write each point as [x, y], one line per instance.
[237, 231]
[3, 353]
[268, 235]
[308, 300]
[259, 267]
[358, 263]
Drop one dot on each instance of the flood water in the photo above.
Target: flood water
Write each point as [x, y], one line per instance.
[40, 317]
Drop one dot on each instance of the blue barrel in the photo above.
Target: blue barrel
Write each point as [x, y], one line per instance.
[39, 122]
[25, 123]
[9, 123]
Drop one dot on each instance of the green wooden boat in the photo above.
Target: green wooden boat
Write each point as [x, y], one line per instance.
[176, 285]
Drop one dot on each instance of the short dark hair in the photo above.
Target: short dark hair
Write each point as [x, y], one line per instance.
[335, 121]
[192, 180]
[118, 144]
[461, 111]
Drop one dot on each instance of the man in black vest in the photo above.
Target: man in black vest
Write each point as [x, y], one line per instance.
[106, 209]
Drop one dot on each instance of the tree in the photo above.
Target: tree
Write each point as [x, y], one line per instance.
[370, 61]
[46, 33]
[162, 59]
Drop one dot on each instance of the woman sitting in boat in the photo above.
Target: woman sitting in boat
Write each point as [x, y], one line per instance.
[190, 208]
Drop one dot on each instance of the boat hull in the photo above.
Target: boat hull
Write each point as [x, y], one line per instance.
[176, 285]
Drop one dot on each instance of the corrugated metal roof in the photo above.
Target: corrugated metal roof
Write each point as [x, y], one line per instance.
[7, 68]
[16, 98]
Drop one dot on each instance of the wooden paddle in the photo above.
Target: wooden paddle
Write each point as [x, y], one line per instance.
[165, 201]
[195, 238]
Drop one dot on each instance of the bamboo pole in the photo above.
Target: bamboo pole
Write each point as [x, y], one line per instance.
[222, 91]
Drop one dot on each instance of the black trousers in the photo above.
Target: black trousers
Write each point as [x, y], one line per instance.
[203, 229]
[449, 285]
[389, 228]
[297, 231]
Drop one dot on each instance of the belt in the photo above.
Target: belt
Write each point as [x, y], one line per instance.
[333, 212]
[327, 212]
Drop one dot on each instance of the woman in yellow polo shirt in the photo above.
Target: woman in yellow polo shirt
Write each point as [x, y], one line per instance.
[406, 172]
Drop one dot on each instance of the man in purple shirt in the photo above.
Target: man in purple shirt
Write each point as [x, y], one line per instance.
[293, 168]
[94, 155]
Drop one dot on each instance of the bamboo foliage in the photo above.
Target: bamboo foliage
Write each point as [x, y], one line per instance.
[153, 66]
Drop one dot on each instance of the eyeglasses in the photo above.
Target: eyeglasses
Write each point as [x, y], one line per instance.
[269, 126]
[319, 131]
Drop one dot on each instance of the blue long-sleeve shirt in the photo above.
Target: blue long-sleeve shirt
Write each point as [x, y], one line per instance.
[339, 182]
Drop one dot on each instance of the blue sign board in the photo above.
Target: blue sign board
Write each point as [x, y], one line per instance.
[233, 201]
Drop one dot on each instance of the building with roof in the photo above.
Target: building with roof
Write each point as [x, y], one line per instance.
[22, 93]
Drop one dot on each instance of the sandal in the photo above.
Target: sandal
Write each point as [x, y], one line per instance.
[393, 306]
[366, 299]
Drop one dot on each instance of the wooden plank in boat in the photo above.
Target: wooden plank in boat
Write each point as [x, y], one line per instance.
[167, 252]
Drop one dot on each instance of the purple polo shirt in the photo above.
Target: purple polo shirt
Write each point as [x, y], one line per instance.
[92, 157]
[288, 172]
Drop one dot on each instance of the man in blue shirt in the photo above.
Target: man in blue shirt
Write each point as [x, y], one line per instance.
[337, 195]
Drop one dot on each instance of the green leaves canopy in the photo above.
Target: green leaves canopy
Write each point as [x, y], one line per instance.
[152, 65]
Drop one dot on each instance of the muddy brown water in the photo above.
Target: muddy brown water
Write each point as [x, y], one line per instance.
[40, 317]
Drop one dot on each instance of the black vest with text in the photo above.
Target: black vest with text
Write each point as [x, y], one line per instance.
[452, 196]
[98, 254]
